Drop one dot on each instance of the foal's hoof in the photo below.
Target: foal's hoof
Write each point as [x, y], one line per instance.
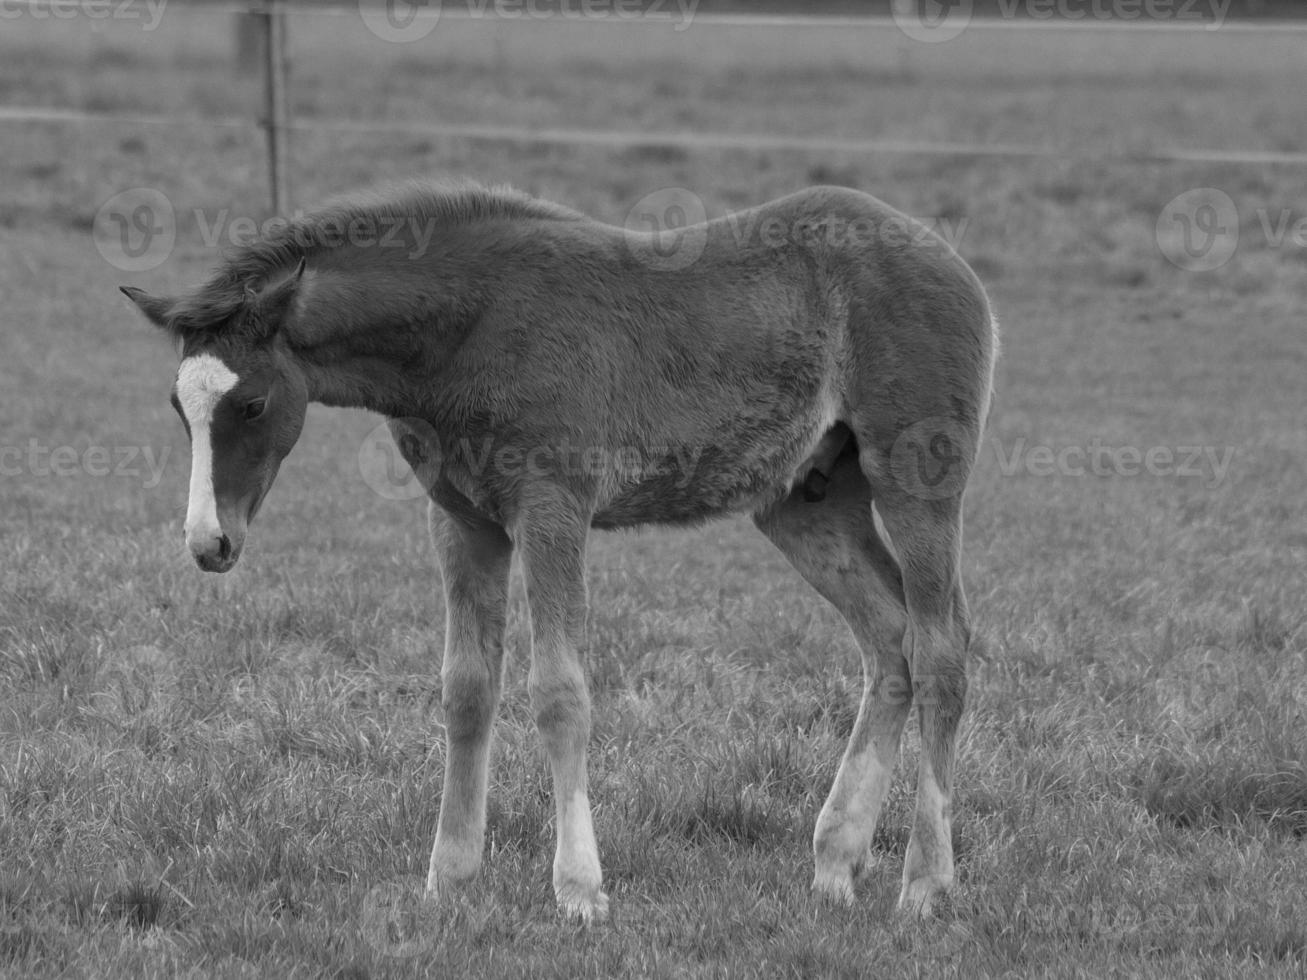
[441, 883]
[581, 904]
[835, 885]
[920, 894]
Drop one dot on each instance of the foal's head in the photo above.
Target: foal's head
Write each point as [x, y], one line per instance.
[240, 396]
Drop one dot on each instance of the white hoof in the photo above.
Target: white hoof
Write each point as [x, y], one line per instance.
[919, 895]
[834, 885]
[451, 869]
[581, 903]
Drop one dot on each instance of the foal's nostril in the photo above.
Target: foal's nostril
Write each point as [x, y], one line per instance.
[224, 547]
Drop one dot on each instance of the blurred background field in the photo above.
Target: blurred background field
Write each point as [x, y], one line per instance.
[216, 775]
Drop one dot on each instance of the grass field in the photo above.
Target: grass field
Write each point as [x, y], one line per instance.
[238, 775]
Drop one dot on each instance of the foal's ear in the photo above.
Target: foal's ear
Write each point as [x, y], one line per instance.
[155, 308]
[274, 301]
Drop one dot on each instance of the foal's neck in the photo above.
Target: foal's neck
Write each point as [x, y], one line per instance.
[380, 337]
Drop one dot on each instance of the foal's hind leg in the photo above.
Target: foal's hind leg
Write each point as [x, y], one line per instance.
[834, 545]
[474, 563]
[927, 535]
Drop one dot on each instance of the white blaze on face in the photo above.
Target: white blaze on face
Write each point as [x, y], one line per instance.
[202, 381]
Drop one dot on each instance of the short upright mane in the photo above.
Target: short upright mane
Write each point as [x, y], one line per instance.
[248, 268]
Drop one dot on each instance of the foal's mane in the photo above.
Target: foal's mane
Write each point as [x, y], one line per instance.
[247, 269]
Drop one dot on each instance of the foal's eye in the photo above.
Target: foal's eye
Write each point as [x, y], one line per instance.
[255, 408]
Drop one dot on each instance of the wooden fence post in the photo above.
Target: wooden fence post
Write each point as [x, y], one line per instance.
[275, 112]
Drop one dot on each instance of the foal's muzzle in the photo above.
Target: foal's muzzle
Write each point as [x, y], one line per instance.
[213, 553]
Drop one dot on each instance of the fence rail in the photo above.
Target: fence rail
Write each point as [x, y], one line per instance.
[980, 22]
[677, 138]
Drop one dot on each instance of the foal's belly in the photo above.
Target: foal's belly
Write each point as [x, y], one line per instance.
[693, 483]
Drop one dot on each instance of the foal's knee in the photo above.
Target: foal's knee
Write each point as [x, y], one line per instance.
[468, 700]
[560, 703]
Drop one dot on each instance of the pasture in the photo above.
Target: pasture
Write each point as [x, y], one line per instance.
[239, 776]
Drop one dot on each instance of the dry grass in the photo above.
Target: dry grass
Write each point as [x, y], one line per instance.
[233, 776]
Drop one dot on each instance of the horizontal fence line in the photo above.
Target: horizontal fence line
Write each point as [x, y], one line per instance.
[979, 22]
[691, 140]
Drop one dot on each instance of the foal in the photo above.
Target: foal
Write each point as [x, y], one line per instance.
[841, 358]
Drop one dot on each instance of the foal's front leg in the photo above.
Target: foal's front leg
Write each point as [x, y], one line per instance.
[550, 538]
[474, 563]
